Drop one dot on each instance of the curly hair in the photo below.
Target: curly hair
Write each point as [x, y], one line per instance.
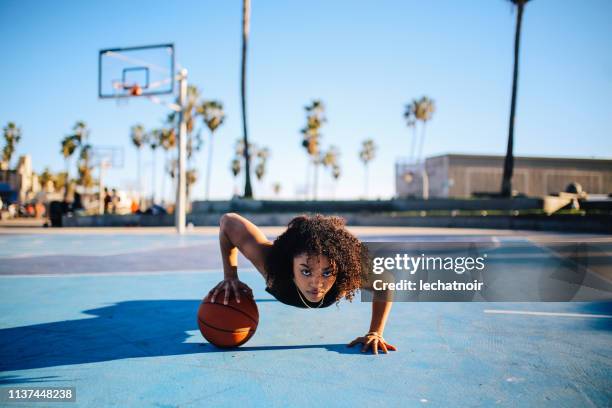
[319, 235]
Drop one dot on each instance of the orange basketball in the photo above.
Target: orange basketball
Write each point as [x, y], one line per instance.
[136, 90]
[228, 325]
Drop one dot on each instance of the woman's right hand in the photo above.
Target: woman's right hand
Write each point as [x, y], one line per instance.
[230, 285]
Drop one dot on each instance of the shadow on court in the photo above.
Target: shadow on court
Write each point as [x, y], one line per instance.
[148, 328]
[15, 379]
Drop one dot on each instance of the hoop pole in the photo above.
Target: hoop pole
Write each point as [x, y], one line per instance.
[158, 101]
[181, 191]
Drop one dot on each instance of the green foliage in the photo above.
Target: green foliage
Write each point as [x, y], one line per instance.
[212, 114]
[368, 151]
[330, 159]
[192, 176]
[78, 140]
[60, 180]
[168, 138]
[45, 177]
[84, 167]
[12, 136]
[315, 118]
[419, 110]
[260, 154]
[138, 135]
[262, 158]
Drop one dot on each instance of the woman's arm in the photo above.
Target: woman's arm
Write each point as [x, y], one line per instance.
[380, 312]
[374, 339]
[236, 233]
[381, 306]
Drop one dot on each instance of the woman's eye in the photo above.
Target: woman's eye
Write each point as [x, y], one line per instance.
[327, 274]
[305, 272]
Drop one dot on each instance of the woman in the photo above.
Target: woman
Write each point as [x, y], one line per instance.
[314, 263]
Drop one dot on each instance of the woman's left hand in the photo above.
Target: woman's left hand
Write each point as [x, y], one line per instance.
[373, 340]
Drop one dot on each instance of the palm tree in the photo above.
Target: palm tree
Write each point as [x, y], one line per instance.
[246, 17]
[191, 176]
[236, 163]
[172, 169]
[425, 108]
[60, 180]
[138, 137]
[261, 154]
[70, 143]
[80, 132]
[236, 168]
[12, 135]
[84, 168]
[410, 117]
[424, 112]
[367, 153]
[277, 187]
[315, 118]
[167, 141]
[45, 178]
[213, 115]
[191, 108]
[68, 148]
[260, 169]
[194, 144]
[506, 187]
[419, 110]
[153, 140]
[331, 159]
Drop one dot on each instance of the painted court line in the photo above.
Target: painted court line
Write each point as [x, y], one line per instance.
[529, 313]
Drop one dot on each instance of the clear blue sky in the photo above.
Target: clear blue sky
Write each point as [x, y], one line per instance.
[364, 59]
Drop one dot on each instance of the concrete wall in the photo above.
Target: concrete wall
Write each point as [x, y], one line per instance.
[562, 223]
[463, 175]
[361, 206]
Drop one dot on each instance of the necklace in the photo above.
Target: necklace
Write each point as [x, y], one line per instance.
[304, 302]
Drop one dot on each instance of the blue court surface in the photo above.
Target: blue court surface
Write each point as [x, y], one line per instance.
[114, 315]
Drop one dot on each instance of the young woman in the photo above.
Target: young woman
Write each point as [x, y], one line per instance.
[313, 264]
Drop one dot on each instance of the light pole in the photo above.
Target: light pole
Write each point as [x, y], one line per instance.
[181, 191]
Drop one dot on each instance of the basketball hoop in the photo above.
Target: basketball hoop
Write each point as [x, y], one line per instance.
[147, 71]
[136, 71]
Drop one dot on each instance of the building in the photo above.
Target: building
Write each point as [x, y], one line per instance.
[22, 180]
[464, 175]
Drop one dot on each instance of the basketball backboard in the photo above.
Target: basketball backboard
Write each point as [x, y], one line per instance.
[136, 71]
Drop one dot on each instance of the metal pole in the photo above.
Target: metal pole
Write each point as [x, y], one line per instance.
[181, 191]
[425, 180]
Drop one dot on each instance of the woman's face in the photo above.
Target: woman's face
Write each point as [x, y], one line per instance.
[313, 275]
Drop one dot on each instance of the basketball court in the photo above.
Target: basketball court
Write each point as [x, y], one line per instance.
[114, 315]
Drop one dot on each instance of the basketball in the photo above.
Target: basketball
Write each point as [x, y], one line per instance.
[136, 90]
[228, 325]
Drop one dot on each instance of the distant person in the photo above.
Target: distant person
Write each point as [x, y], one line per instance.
[107, 201]
[39, 209]
[77, 204]
[134, 208]
[313, 264]
[115, 201]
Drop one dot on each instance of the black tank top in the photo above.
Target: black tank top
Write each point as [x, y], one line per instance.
[287, 293]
